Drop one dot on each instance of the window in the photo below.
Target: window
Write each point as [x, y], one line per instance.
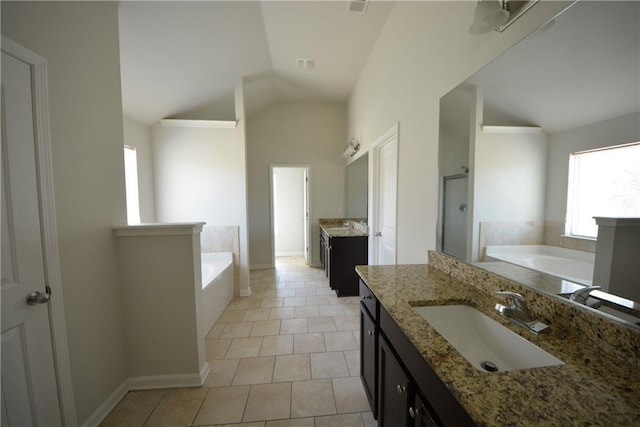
[604, 182]
[131, 185]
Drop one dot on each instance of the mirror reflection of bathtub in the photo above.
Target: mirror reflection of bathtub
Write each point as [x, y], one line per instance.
[568, 264]
[528, 110]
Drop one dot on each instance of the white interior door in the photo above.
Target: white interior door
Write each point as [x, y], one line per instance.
[307, 244]
[385, 200]
[29, 388]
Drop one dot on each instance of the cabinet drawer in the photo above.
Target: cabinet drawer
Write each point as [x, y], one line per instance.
[369, 300]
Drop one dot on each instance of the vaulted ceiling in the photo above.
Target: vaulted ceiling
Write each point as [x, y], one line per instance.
[183, 59]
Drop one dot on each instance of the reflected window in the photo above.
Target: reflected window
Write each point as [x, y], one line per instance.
[603, 182]
[131, 182]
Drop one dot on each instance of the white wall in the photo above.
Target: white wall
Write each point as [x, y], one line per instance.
[80, 42]
[295, 133]
[288, 184]
[199, 175]
[138, 136]
[423, 52]
[510, 176]
[619, 130]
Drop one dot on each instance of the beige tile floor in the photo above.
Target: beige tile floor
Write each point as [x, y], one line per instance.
[287, 356]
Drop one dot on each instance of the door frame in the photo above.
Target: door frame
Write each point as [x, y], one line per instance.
[50, 248]
[307, 203]
[374, 189]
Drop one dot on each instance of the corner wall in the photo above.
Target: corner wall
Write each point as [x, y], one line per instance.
[80, 42]
[295, 133]
[423, 52]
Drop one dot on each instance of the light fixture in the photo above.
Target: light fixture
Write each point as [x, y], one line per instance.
[352, 148]
[498, 15]
[489, 15]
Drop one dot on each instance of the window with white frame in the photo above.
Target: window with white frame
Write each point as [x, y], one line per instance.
[131, 185]
[603, 182]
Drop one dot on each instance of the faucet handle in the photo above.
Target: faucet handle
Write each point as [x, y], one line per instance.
[516, 300]
[582, 294]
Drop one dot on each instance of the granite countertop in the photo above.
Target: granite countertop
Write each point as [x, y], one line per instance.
[334, 227]
[592, 388]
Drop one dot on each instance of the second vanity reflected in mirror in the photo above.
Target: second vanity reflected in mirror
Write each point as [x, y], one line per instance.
[506, 134]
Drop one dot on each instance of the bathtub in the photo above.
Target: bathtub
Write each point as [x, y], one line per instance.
[568, 264]
[217, 286]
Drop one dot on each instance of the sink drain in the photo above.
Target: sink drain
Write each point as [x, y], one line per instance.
[489, 366]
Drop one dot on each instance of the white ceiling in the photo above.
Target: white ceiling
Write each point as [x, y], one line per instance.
[183, 59]
[582, 69]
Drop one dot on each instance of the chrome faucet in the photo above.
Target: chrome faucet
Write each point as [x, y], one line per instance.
[582, 296]
[518, 312]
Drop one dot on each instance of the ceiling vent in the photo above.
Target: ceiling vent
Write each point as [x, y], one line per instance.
[358, 6]
[305, 64]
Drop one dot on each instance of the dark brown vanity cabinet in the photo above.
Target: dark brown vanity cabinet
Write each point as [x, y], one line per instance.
[341, 255]
[394, 388]
[402, 388]
[369, 346]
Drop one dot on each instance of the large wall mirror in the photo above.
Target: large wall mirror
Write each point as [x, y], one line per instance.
[357, 177]
[507, 132]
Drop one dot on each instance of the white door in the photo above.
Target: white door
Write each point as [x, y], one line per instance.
[307, 244]
[385, 201]
[29, 388]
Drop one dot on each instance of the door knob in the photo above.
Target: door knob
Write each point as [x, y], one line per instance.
[37, 297]
[378, 234]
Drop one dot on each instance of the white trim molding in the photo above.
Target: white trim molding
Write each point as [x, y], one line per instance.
[511, 129]
[49, 228]
[159, 229]
[204, 124]
[170, 381]
[261, 266]
[107, 406]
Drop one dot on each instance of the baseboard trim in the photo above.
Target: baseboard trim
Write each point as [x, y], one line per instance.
[170, 381]
[246, 292]
[292, 253]
[107, 406]
[146, 383]
[260, 266]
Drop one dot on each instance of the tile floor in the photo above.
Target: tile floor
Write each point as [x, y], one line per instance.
[287, 356]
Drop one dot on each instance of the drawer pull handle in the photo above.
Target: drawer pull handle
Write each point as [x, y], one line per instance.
[400, 388]
[366, 297]
[370, 332]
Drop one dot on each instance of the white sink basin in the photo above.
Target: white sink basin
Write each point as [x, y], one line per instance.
[481, 339]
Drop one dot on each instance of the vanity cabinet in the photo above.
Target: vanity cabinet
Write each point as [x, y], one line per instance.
[406, 391]
[395, 388]
[342, 256]
[324, 248]
[369, 346]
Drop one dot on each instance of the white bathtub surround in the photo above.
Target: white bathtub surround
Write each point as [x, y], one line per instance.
[554, 236]
[617, 260]
[221, 238]
[568, 264]
[548, 233]
[162, 293]
[500, 233]
[217, 286]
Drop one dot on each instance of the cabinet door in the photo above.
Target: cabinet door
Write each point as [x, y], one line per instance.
[393, 388]
[420, 414]
[368, 357]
